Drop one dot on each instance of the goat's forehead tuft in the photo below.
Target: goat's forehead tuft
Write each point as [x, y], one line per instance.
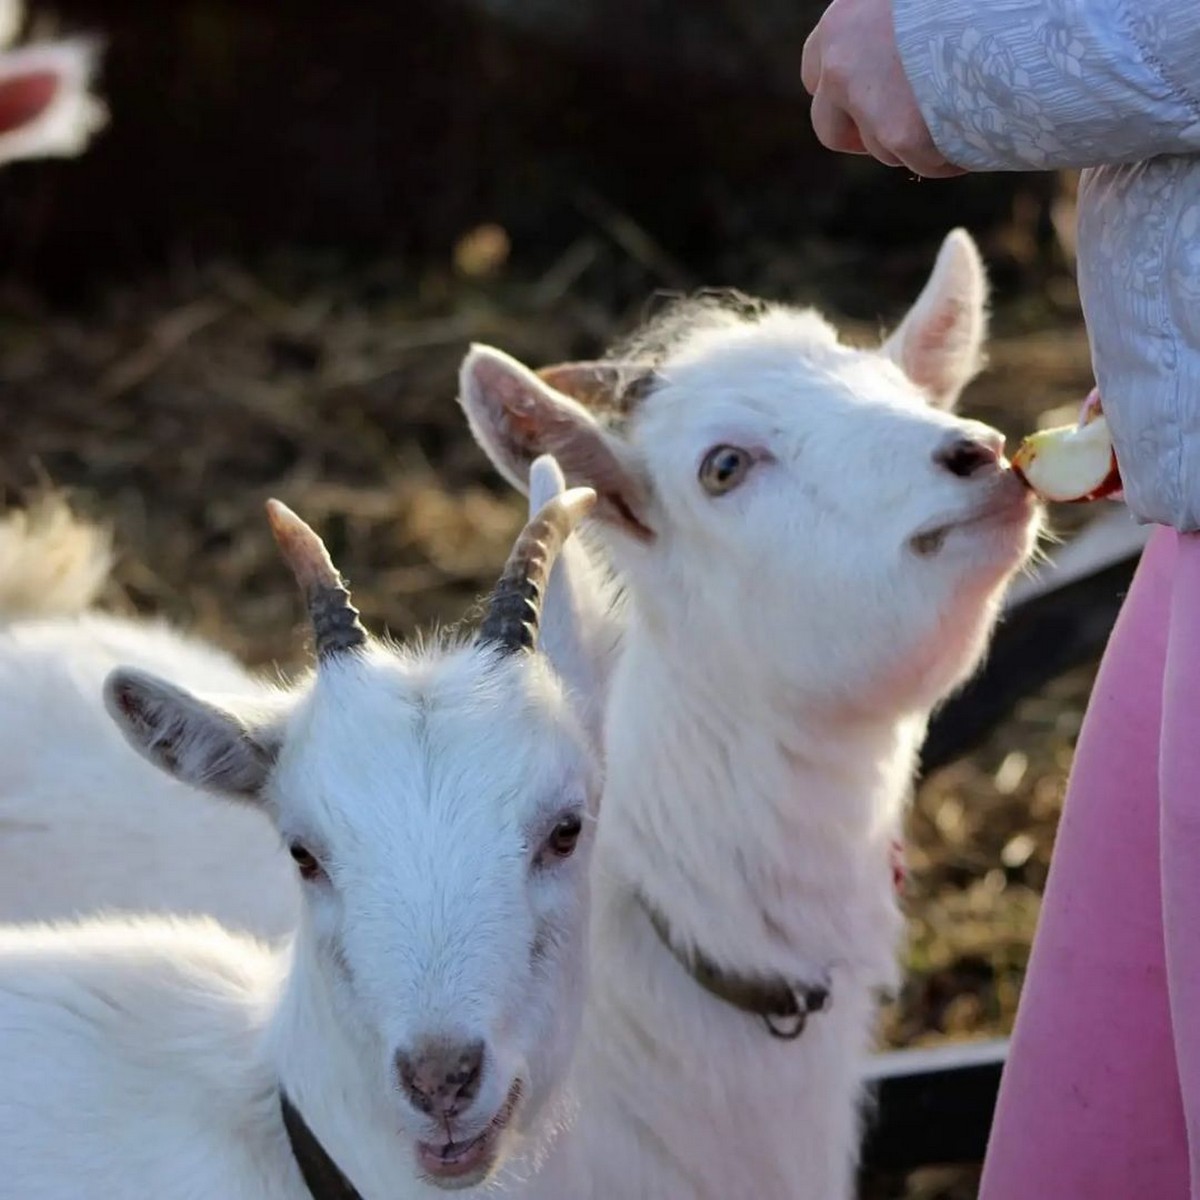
[398, 750]
[757, 386]
[446, 677]
[697, 325]
[803, 333]
[443, 702]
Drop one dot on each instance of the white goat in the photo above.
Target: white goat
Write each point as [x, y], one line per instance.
[814, 550]
[433, 802]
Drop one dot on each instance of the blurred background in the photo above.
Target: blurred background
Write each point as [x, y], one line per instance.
[260, 278]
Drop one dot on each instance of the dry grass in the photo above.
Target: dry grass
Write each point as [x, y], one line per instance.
[176, 409]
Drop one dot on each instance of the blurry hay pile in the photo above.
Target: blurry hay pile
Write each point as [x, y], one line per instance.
[172, 411]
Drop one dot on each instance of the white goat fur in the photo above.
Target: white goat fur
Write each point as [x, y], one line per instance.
[86, 826]
[782, 647]
[144, 1056]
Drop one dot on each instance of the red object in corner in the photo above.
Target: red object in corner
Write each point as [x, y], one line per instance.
[24, 98]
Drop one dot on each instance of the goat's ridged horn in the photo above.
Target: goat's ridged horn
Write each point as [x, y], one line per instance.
[335, 624]
[514, 610]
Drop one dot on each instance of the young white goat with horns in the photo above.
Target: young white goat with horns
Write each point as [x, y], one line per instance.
[435, 804]
[813, 550]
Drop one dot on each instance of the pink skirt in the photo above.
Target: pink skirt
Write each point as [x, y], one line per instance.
[1101, 1094]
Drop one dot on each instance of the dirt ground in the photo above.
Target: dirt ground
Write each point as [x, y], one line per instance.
[172, 410]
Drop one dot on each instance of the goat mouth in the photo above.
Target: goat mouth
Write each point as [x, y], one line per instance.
[1011, 502]
[455, 1164]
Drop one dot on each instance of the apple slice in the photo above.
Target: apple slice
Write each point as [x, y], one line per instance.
[1070, 463]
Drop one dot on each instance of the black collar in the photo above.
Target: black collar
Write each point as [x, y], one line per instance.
[322, 1175]
[783, 1006]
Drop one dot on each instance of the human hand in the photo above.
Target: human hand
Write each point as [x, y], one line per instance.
[862, 100]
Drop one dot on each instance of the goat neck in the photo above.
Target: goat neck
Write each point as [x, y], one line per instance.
[762, 835]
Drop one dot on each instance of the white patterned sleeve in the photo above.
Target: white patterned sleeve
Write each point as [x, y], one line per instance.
[1048, 84]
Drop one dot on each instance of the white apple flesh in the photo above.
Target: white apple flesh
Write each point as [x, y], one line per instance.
[1070, 463]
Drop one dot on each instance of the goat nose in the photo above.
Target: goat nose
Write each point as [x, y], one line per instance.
[965, 456]
[441, 1076]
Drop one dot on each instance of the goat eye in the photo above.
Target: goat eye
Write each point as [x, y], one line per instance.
[309, 867]
[564, 835]
[723, 468]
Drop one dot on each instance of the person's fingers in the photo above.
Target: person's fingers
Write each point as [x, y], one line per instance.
[833, 126]
[856, 110]
[923, 158]
[896, 135]
[947, 171]
[810, 62]
[875, 148]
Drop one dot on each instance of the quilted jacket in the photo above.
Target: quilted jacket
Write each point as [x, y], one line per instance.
[1112, 86]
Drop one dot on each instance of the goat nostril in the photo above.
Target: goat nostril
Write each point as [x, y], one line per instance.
[466, 1081]
[441, 1077]
[407, 1073]
[963, 457]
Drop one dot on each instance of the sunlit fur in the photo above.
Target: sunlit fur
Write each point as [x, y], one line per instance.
[144, 1055]
[780, 651]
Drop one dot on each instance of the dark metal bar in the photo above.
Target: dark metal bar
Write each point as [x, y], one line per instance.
[932, 1107]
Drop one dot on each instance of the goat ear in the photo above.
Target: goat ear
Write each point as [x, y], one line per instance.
[195, 741]
[516, 417]
[939, 344]
[601, 387]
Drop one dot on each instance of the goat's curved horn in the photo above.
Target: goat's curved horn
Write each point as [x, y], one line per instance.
[616, 387]
[335, 624]
[514, 610]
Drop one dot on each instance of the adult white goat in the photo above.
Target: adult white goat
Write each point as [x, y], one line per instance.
[814, 550]
[433, 802]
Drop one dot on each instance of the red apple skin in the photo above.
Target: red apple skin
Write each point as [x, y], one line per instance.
[26, 97]
[1111, 484]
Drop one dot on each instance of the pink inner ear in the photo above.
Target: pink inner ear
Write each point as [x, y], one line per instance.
[936, 351]
[932, 346]
[587, 382]
[602, 387]
[506, 390]
[588, 462]
[534, 423]
[24, 98]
